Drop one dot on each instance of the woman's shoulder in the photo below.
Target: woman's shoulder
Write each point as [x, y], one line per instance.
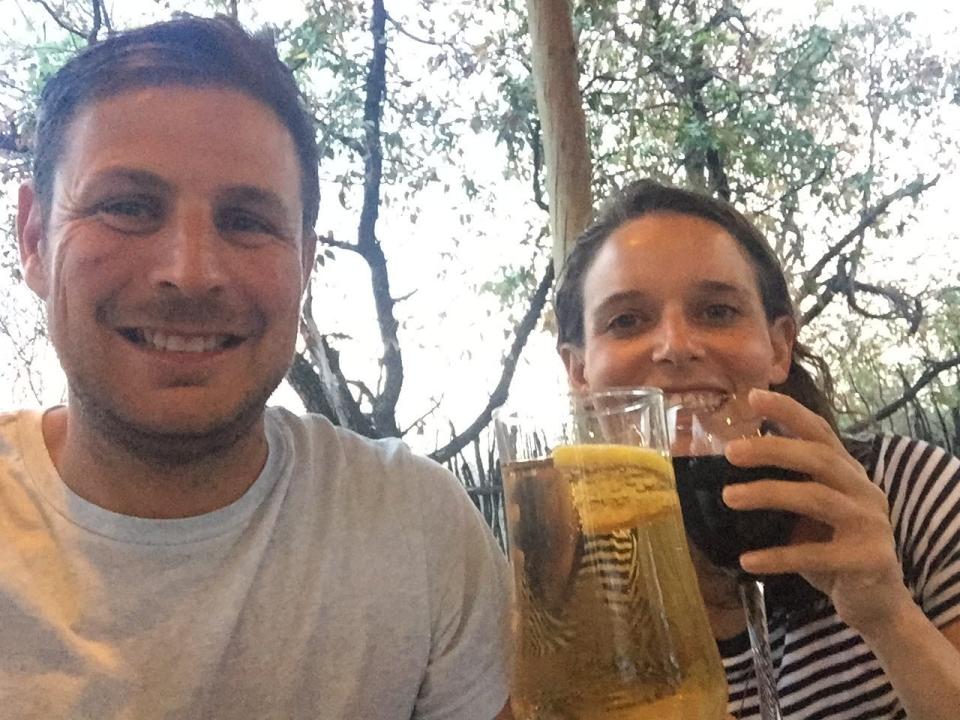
[889, 459]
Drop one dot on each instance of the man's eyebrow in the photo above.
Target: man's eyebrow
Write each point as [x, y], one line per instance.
[621, 297]
[252, 195]
[128, 177]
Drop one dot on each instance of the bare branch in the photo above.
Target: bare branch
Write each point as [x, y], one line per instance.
[60, 21]
[428, 413]
[97, 23]
[499, 394]
[384, 407]
[867, 218]
[305, 380]
[933, 369]
[910, 309]
[423, 41]
[325, 359]
[363, 389]
[330, 241]
[823, 300]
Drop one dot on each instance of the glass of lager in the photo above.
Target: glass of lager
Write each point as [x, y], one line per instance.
[608, 620]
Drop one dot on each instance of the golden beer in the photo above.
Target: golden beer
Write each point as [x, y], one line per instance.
[609, 624]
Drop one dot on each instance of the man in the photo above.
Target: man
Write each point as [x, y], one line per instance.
[171, 549]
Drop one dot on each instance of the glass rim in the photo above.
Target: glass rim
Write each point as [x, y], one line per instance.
[638, 392]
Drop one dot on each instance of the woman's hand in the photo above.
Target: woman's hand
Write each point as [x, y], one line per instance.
[844, 543]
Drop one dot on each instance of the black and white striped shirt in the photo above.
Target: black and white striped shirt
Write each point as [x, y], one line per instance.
[824, 668]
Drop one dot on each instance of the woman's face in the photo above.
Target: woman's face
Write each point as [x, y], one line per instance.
[671, 300]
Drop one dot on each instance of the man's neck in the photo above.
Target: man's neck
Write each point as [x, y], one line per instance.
[114, 479]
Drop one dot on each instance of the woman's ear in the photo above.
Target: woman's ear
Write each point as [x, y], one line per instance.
[572, 357]
[783, 336]
[30, 240]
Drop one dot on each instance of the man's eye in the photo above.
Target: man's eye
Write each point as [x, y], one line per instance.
[240, 221]
[133, 215]
[624, 322]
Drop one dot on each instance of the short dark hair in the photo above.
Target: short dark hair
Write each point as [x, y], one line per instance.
[644, 197]
[187, 50]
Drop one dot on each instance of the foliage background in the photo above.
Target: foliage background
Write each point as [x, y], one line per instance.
[832, 124]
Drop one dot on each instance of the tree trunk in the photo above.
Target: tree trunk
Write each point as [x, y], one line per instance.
[562, 121]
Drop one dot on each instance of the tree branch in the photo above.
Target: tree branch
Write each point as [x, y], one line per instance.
[340, 402]
[934, 368]
[428, 413]
[910, 309]
[97, 23]
[499, 394]
[867, 218]
[384, 408]
[423, 41]
[305, 380]
[330, 241]
[60, 21]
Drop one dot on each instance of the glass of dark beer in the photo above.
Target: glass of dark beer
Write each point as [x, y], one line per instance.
[700, 426]
[608, 619]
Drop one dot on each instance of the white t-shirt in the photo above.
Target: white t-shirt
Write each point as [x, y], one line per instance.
[352, 581]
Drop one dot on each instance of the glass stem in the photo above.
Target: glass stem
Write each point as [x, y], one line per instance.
[751, 596]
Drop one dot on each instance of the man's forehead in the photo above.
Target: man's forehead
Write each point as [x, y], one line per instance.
[221, 114]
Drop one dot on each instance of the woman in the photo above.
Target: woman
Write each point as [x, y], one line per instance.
[677, 290]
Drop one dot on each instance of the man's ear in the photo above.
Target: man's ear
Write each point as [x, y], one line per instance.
[31, 240]
[783, 336]
[572, 357]
[307, 257]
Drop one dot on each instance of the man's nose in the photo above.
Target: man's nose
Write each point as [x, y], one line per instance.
[190, 255]
[676, 340]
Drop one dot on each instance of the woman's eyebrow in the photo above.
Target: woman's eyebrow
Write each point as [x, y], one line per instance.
[721, 287]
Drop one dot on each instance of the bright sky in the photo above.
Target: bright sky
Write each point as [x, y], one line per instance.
[434, 345]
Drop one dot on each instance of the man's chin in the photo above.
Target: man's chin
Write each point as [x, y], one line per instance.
[172, 436]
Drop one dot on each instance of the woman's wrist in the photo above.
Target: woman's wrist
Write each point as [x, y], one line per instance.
[896, 623]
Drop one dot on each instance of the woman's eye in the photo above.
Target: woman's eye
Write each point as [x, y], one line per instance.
[720, 312]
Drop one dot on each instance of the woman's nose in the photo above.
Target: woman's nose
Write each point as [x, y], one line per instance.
[676, 340]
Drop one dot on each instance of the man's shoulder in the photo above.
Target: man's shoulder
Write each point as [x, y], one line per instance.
[13, 425]
[314, 442]
[324, 436]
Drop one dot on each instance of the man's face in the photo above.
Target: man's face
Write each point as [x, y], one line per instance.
[672, 301]
[173, 260]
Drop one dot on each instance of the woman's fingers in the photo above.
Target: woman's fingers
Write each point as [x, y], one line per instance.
[810, 499]
[801, 422]
[819, 462]
[826, 559]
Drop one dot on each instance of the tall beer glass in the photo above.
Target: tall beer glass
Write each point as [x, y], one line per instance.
[608, 622]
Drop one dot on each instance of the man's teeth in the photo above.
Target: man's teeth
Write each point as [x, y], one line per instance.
[159, 340]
